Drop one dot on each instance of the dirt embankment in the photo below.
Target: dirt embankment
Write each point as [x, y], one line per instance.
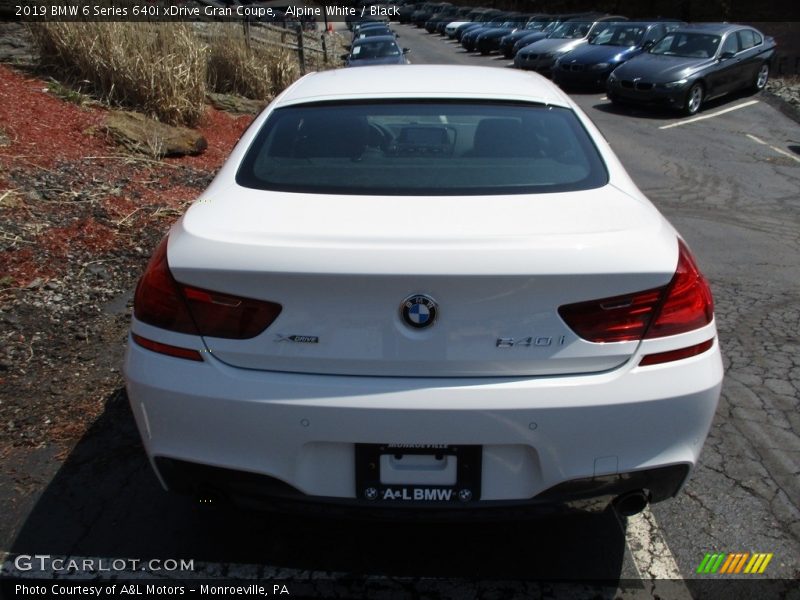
[78, 220]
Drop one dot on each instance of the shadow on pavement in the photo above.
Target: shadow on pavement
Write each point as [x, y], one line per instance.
[656, 112]
[106, 502]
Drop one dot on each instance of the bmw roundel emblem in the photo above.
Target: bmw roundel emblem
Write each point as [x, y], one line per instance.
[418, 311]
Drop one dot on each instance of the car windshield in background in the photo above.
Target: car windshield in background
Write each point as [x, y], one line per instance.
[619, 35]
[572, 30]
[422, 148]
[689, 45]
[365, 49]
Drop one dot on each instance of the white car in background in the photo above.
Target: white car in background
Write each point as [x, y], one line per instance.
[431, 288]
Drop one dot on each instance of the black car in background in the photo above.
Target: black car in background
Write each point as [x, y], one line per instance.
[532, 37]
[535, 24]
[470, 38]
[425, 14]
[461, 13]
[405, 12]
[694, 64]
[488, 40]
[590, 64]
[380, 50]
[446, 13]
[481, 20]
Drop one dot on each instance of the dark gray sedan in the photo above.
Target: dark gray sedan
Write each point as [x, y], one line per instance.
[379, 50]
[693, 64]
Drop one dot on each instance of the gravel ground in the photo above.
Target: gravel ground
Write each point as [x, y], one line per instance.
[78, 220]
[787, 89]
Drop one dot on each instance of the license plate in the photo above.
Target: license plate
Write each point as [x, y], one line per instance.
[425, 474]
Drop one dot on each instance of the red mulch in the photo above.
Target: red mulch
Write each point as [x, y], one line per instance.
[79, 217]
[42, 128]
[72, 193]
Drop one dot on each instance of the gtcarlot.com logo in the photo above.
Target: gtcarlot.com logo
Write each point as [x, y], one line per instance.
[64, 564]
[734, 563]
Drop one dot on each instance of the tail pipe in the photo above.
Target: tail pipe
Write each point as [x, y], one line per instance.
[631, 503]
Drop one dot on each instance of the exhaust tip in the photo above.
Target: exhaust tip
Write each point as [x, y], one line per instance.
[631, 503]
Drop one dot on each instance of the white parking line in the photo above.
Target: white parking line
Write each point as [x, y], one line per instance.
[709, 115]
[652, 557]
[778, 150]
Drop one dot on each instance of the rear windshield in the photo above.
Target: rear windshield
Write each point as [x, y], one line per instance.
[422, 148]
[367, 49]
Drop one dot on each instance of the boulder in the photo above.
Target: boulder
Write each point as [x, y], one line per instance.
[143, 134]
[235, 104]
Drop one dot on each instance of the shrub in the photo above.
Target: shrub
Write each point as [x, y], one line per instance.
[258, 71]
[156, 68]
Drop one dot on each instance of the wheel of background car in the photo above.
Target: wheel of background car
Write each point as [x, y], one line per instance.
[761, 77]
[694, 98]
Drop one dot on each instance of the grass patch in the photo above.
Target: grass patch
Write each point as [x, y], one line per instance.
[67, 93]
[256, 71]
[157, 68]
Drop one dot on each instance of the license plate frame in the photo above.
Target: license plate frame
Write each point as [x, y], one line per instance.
[466, 490]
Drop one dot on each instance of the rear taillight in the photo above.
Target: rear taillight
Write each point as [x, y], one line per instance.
[163, 302]
[683, 305]
[617, 319]
[688, 304]
[158, 301]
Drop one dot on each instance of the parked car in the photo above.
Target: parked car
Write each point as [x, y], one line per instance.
[445, 14]
[379, 50]
[694, 64]
[542, 55]
[439, 292]
[476, 15]
[590, 64]
[489, 19]
[366, 32]
[470, 37]
[479, 21]
[488, 40]
[526, 39]
[461, 13]
[409, 6]
[361, 25]
[423, 15]
[404, 12]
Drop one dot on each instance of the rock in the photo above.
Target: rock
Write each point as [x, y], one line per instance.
[235, 104]
[142, 134]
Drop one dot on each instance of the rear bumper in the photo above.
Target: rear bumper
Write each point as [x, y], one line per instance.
[537, 434]
[220, 486]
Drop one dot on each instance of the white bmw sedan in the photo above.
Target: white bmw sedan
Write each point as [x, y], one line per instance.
[431, 288]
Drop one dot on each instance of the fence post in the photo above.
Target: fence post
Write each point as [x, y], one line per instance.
[301, 55]
[246, 27]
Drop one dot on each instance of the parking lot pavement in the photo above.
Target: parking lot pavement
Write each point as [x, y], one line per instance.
[728, 179]
[729, 183]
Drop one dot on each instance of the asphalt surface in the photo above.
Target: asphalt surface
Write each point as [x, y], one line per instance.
[730, 184]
